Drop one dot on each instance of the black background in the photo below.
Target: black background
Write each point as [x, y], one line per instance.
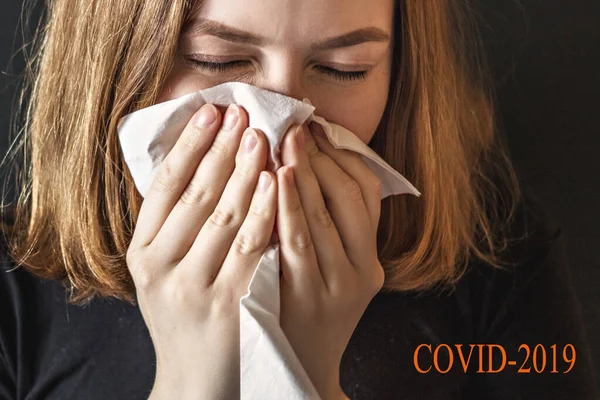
[545, 57]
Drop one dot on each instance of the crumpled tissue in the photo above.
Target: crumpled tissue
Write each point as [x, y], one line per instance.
[269, 368]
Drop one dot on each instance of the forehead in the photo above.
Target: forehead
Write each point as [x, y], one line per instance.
[298, 21]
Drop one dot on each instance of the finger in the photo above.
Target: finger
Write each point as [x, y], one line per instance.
[252, 238]
[324, 234]
[174, 173]
[216, 237]
[344, 200]
[298, 260]
[202, 193]
[353, 164]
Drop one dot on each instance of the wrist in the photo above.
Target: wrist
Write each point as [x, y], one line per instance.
[333, 393]
[339, 395]
[328, 386]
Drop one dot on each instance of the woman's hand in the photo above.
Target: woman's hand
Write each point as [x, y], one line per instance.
[202, 229]
[327, 225]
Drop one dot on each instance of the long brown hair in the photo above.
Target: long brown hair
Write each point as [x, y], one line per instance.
[95, 62]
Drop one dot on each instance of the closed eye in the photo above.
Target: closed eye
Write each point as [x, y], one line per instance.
[222, 67]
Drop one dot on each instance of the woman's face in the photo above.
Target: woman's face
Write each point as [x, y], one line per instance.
[337, 53]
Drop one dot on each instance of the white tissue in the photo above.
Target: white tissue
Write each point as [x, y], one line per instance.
[269, 368]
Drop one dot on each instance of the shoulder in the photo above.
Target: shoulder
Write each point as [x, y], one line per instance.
[7, 264]
[534, 278]
[534, 230]
[8, 276]
[533, 265]
[533, 244]
[18, 287]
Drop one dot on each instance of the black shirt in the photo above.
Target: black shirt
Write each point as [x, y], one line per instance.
[52, 350]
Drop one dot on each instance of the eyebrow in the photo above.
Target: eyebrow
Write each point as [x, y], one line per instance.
[231, 34]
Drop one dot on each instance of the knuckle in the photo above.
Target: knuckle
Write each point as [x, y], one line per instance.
[304, 169]
[352, 190]
[302, 240]
[295, 206]
[322, 216]
[195, 193]
[245, 170]
[145, 278]
[223, 217]
[193, 138]
[247, 244]
[224, 299]
[165, 180]
[219, 147]
[258, 208]
[376, 182]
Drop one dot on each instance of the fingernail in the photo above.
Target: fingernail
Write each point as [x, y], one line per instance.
[231, 117]
[300, 137]
[250, 139]
[206, 116]
[264, 181]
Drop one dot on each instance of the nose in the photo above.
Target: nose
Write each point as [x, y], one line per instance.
[284, 76]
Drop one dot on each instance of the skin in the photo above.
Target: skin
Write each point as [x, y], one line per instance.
[286, 64]
[205, 222]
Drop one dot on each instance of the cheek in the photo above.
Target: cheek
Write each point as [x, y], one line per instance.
[358, 108]
[361, 116]
[181, 82]
[360, 112]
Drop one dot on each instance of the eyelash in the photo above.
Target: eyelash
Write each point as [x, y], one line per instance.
[341, 75]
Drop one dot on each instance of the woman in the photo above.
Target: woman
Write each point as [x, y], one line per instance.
[406, 297]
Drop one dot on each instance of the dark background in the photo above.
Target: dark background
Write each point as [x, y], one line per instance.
[545, 57]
